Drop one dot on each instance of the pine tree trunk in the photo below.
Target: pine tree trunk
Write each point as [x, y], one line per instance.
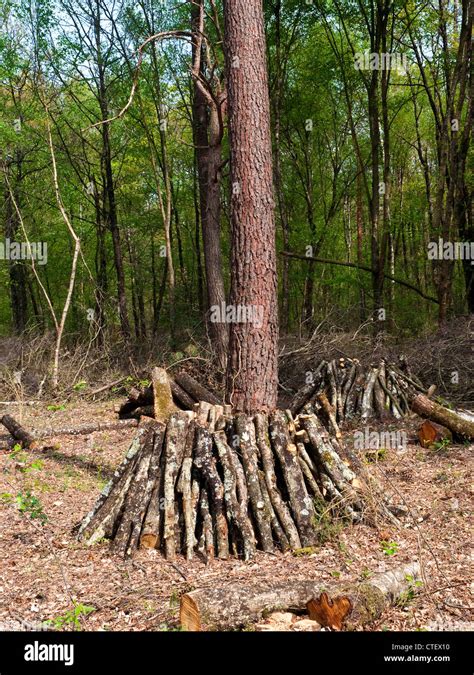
[252, 374]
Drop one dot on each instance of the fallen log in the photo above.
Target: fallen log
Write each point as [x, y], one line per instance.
[32, 440]
[232, 607]
[196, 390]
[460, 422]
[19, 433]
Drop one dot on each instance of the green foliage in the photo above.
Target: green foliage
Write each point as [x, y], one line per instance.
[22, 461]
[442, 445]
[30, 505]
[56, 407]
[72, 618]
[407, 596]
[79, 386]
[50, 53]
[389, 547]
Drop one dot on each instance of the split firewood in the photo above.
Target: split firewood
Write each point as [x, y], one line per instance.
[344, 606]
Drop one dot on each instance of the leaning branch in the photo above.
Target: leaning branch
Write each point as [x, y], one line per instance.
[364, 268]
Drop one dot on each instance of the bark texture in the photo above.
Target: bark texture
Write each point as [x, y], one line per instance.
[252, 374]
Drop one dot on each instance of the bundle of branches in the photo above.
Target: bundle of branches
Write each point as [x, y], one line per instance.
[341, 390]
[221, 484]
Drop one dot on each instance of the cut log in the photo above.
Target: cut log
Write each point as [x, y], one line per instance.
[248, 450]
[175, 446]
[163, 405]
[217, 609]
[181, 397]
[138, 496]
[138, 413]
[196, 390]
[430, 433]
[184, 486]
[301, 503]
[100, 521]
[279, 505]
[306, 392]
[150, 533]
[205, 462]
[137, 398]
[367, 403]
[236, 509]
[330, 412]
[460, 422]
[19, 433]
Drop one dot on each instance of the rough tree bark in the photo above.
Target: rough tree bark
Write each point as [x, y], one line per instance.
[252, 374]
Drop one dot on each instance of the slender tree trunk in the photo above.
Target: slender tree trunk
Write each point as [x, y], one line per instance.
[110, 204]
[360, 240]
[16, 268]
[208, 148]
[252, 374]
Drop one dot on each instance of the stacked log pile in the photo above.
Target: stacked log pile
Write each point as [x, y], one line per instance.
[336, 391]
[185, 392]
[341, 390]
[217, 484]
[214, 482]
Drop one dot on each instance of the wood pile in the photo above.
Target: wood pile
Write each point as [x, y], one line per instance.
[218, 484]
[342, 390]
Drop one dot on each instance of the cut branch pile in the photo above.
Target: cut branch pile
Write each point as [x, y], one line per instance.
[217, 484]
[341, 390]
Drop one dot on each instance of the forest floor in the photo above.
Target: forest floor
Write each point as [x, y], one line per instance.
[45, 572]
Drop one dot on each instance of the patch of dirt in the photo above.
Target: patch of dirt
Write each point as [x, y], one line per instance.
[44, 570]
